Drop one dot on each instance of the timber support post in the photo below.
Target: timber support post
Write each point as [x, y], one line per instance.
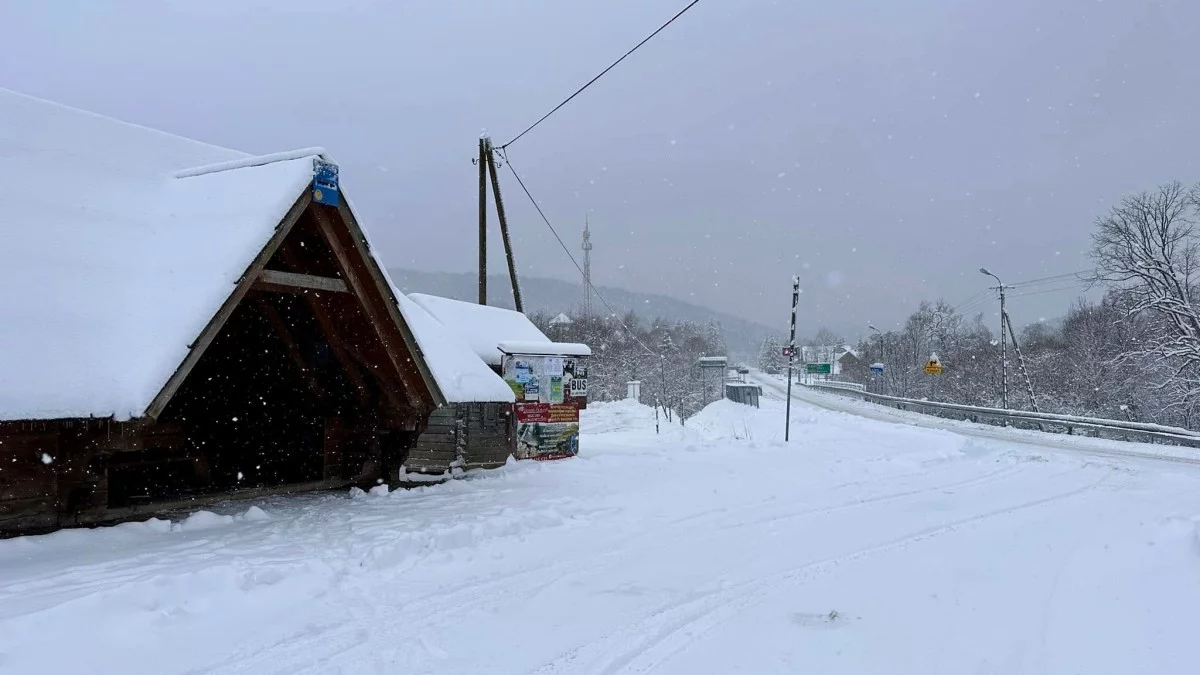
[487, 164]
[484, 144]
[508, 251]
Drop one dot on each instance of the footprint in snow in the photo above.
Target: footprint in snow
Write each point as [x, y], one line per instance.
[831, 619]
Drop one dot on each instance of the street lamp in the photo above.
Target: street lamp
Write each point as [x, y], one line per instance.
[1003, 342]
[883, 346]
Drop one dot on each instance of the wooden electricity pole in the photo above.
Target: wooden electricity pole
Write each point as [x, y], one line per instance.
[487, 164]
[483, 153]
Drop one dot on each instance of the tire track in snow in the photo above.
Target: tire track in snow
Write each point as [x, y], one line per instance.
[674, 627]
[428, 609]
[975, 481]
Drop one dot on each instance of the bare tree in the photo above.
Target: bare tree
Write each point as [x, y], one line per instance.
[1147, 247]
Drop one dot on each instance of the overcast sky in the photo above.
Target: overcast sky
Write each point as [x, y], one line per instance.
[882, 150]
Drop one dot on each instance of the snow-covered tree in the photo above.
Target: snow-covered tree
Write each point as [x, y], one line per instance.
[1147, 247]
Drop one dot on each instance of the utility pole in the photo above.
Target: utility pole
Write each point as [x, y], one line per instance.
[483, 150]
[886, 368]
[487, 164]
[1021, 361]
[1003, 341]
[787, 424]
[508, 251]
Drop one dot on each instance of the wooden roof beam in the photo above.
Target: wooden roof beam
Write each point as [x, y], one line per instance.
[291, 282]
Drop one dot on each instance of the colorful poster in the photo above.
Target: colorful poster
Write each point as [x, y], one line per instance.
[547, 431]
[522, 371]
[532, 390]
[556, 389]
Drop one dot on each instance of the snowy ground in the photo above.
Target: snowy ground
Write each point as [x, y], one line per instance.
[861, 547]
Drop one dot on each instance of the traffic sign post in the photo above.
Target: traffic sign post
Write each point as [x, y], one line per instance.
[933, 366]
[791, 353]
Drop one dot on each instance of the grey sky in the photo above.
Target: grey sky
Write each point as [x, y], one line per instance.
[883, 150]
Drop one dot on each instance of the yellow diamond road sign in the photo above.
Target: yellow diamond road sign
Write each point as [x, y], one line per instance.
[933, 366]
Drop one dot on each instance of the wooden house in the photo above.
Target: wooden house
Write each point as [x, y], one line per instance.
[182, 322]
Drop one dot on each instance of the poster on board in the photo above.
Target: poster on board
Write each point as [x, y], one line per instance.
[547, 430]
[532, 390]
[550, 390]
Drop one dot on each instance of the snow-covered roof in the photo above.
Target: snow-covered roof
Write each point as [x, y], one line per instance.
[561, 320]
[544, 348]
[120, 244]
[111, 266]
[461, 375]
[482, 327]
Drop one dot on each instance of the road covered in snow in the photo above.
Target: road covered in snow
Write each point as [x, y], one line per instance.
[862, 546]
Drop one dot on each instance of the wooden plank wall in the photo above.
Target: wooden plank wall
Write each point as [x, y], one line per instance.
[490, 435]
[467, 435]
[28, 485]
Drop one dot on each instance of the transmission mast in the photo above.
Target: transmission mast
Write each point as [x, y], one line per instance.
[587, 268]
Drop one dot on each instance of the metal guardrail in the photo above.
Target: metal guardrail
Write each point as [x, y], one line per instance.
[1049, 422]
[834, 384]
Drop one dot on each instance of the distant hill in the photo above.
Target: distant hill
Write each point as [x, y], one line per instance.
[553, 296]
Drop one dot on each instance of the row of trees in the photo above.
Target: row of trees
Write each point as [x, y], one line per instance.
[1133, 354]
[662, 354]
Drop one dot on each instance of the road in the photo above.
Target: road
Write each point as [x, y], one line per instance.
[776, 388]
[859, 547]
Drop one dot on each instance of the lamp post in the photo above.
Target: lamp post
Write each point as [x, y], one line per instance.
[1003, 342]
[883, 347]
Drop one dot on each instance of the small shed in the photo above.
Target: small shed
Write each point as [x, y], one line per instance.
[548, 379]
[474, 427]
[183, 323]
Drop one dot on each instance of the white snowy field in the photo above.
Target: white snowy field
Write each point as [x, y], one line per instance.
[861, 547]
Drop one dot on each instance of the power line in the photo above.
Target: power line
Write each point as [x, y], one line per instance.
[977, 306]
[1041, 291]
[612, 312]
[1078, 276]
[1050, 284]
[970, 298]
[602, 73]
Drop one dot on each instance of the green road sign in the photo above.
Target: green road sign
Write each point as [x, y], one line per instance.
[818, 368]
